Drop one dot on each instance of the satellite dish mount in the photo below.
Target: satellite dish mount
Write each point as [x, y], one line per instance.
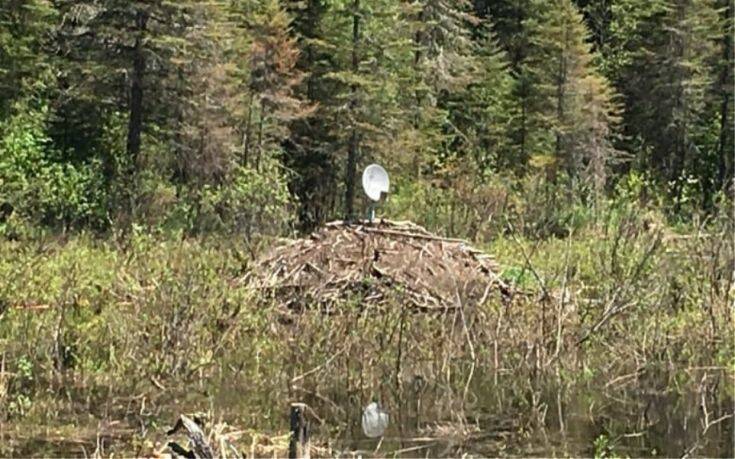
[375, 182]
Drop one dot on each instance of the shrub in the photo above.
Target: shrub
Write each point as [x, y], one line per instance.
[251, 202]
[34, 188]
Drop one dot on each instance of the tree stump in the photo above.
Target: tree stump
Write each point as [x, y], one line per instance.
[299, 445]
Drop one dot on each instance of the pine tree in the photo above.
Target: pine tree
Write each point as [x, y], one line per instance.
[359, 105]
[309, 149]
[572, 106]
[661, 59]
[119, 52]
[26, 60]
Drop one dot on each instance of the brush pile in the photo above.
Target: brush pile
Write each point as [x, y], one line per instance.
[377, 263]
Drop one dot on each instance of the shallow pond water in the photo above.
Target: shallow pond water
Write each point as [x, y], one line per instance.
[632, 421]
[635, 423]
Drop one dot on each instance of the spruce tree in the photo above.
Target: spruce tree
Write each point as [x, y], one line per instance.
[572, 109]
[444, 64]
[26, 56]
[309, 151]
[507, 17]
[274, 77]
[359, 109]
[661, 59]
[120, 51]
[483, 114]
[203, 90]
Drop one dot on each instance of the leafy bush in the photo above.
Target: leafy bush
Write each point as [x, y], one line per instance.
[480, 209]
[458, 200]
[250, 202]
[35, 188]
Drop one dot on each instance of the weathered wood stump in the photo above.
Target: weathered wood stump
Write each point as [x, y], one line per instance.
[200, 446]
[299, 445]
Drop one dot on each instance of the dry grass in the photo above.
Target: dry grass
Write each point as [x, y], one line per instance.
[135, 332]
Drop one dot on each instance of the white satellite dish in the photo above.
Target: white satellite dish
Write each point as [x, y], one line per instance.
[375, 181]
[374, 421]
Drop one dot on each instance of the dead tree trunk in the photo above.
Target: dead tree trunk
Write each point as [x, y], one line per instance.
[299, 444]
[135, 120]
[351, 171]
[725, 166]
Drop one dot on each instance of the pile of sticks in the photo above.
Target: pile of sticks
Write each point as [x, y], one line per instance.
[377, 263]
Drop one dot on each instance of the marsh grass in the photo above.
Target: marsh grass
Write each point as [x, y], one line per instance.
[616, 329]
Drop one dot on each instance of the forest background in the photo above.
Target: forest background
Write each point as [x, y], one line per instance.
[256, 116]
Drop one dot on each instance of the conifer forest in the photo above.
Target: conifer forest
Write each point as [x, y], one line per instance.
[190, 266]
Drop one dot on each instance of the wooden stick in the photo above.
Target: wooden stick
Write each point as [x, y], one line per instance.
[201, 448]
[414, 235]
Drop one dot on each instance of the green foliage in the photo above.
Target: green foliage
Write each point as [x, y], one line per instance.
[253, 202]
[590, 152]
[25, 66]
[117, 111]
[571, 113]
[34, 185]
[601, 447]
[660, 55]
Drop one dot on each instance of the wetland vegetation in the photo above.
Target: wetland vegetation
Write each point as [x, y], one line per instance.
[154, 153]
[618, 342]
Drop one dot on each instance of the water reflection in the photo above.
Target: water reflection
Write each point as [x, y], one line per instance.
[647, 417]
[630, 421]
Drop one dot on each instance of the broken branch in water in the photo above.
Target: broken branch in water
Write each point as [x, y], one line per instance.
[201, 448]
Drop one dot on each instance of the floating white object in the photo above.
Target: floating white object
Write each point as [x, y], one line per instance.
[375, 181]
[374, 421]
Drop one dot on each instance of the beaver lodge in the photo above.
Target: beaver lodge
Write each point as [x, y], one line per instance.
[376, 264]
